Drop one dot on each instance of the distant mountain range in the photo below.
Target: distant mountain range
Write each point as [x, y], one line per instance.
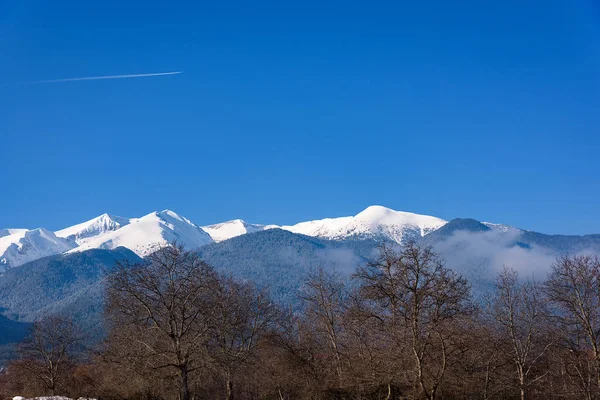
[62, 272]
[143, 235]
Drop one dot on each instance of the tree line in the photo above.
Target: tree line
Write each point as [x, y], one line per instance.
[404, 327]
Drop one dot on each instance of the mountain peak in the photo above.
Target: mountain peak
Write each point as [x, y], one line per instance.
[384, 214]
[374, 222]
[27, 245]
[172, 217]
[144, 235]
[166, 211]
[235, 227]
[381, 214]
[93, 228]
[376, 210]
[459, 224]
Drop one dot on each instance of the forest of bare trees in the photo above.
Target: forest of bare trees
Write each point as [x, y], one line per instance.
[404, 327]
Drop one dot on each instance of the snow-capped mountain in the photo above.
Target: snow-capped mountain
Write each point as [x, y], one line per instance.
[92, 229]
[233, 228]
[143, 235]
[146, 234]
[19, 246]
[375, 222]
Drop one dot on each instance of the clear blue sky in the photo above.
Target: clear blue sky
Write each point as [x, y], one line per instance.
[288, 111]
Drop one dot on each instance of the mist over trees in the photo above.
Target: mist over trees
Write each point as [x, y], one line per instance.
[404, 327]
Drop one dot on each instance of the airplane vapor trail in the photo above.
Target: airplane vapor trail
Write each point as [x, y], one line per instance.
[94, 78]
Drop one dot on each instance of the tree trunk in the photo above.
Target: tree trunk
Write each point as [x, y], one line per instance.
[486, 386]
[597, 356]
[521, 382]
[185, 386]
[229, 386]
[52, 386]
[421, 379]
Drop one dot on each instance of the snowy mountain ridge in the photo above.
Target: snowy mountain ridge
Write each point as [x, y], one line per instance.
[375, 222]
[89, 230]
[236, 227]
[21, 246]
[144, 235]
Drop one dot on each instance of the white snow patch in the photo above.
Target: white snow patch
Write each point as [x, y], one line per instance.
[233, 228]
[6, 232]
[500, 227]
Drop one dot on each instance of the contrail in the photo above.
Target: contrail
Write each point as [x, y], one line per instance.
[95, 78]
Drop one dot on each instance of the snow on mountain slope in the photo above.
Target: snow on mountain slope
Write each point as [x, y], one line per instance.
[27, 245]
[501, 227]
[6, 232]
[146, 234]
[92, 229]
[233, 228]
[374, 222]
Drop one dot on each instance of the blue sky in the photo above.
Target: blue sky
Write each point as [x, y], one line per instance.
[289, 111]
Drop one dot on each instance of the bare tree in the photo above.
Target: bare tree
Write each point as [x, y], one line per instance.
[518, 311]
[573, 287]
[161, 312]
[377, 364]
[419, 299]
[48, 353]
[323, 297]
[242, 316]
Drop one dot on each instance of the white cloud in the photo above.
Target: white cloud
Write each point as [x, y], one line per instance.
[485, 253]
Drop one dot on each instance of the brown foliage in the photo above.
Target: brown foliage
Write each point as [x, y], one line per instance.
[405, 329]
